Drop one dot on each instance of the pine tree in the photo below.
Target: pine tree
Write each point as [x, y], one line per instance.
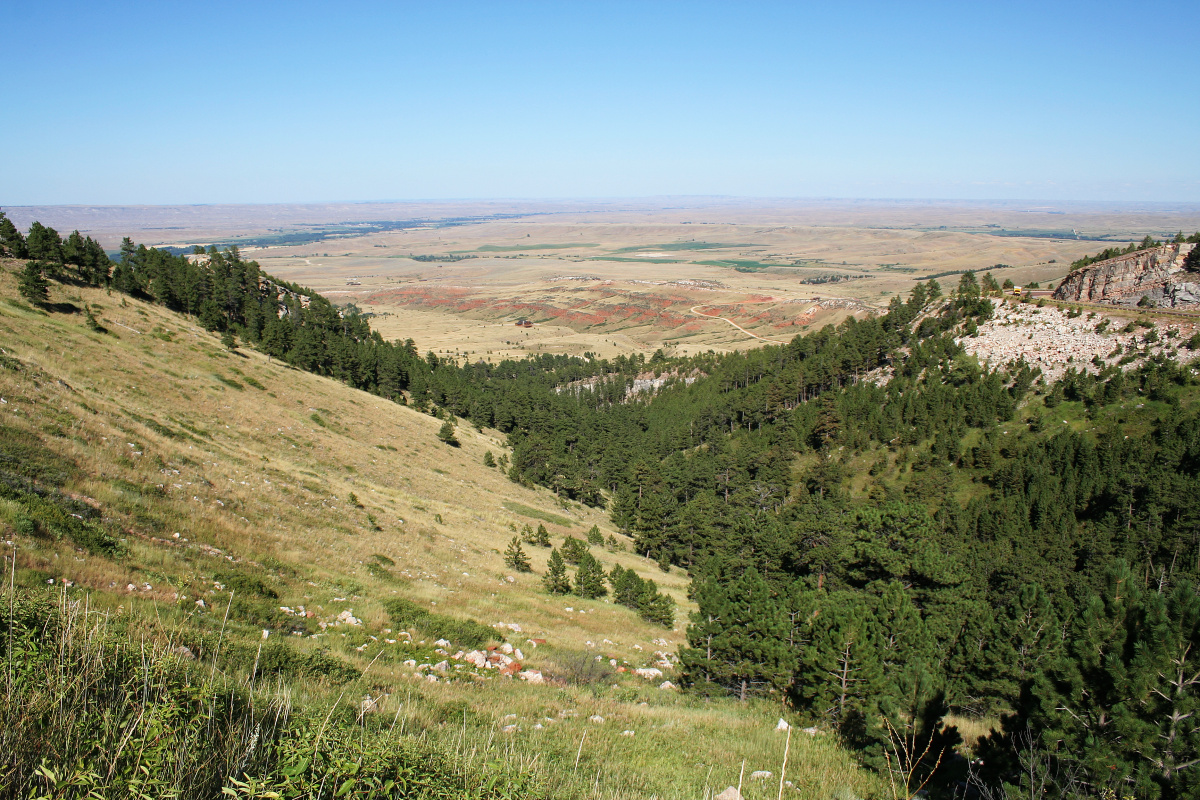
[1122, 703]
[44, 243]
[840, 672]
[594, 536]
[656, 607]
[446, 434]
[11, 238]
[32, 285]
[488, 459]
[589, 579]
[515, 558]
[738, 638]
[541, 537]
[555, 580]
[573, 550]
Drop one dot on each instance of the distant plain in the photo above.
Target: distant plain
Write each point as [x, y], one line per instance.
[683, 274]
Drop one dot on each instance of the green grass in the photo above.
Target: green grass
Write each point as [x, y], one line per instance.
[498, 248]
[741, 265]
[639, 260]
[533, 513]
[674, 246]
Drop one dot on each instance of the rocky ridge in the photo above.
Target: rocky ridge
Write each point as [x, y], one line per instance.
[1155, 274]
[1053, 340]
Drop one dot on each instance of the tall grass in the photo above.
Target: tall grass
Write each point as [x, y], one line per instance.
[97, 705]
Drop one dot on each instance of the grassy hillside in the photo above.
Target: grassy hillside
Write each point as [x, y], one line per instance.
[196, 497]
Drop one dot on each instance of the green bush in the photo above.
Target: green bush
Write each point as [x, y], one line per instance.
[466, 632]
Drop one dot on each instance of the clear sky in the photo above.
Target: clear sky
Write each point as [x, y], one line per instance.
[210, 102]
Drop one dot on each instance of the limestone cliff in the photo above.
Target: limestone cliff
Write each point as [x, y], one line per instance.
[1156, 274]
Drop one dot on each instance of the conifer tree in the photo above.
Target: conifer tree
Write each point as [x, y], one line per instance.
[32, 285]
[446, 434]
[737, 639]
[589, 579]
[44, 243]
[542, 536]
[11, 238]
[555, 580]
[840, 672]
[573, 550]
[488, 459]
[515, 557]
[594, 536]
[656, 607]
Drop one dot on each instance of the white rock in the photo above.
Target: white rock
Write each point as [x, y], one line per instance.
[506, 648]
[667, 685]
[510, 579]
[476, 658]
[410, 663]
[596, 718]
[627, 733]
[760, 775]
[507, 717]
[508, 729]
[532, 676]
[442, 643]
[811, 731]
[442, 667]
[518, 655]
[782, 725]
[649, 673]
[730, 793]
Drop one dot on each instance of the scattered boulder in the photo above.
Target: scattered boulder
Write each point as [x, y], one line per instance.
[811, 731]
[347, 617]
[532, 676]
[782, 725]
[596, 718]
[667, 685]
[627, 733]
[506, 648]
[649, 673]
[760, 775]
[477, 659]
[442, 643]
[441, 666]
[730, 793]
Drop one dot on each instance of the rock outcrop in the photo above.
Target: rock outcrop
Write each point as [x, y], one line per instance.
[1156, 274]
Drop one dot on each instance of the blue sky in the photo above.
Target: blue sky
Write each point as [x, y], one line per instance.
[110, 102]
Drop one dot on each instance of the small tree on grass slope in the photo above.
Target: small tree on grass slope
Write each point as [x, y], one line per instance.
[515, 556]
[446, 434]
[555, 580]
[32, 285]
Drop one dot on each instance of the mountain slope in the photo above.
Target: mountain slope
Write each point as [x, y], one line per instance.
[163, 431]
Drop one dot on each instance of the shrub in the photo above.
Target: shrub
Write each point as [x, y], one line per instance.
[466, 632]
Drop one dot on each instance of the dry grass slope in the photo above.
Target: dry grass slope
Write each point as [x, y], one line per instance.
[225, 471]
